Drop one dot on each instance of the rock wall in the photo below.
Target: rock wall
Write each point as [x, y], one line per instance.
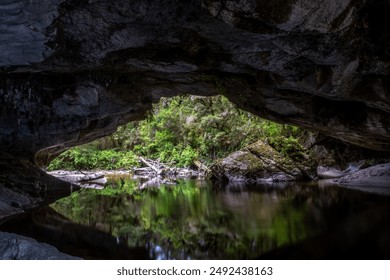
[72, 71]
[260, 163]
[17, 247]
[24, 186]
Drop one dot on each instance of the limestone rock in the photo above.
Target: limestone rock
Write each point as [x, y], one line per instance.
[17, 247]
[72, 71]
[24, 186]
[374, 176]
[259, 162]
[325, 172]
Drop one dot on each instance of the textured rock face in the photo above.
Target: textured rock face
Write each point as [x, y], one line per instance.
[69, 237]
[260, 163]
[24, 186]
[17, 247]
[71, 71]
[376, 176]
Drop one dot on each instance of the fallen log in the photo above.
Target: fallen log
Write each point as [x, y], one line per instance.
[201, 167]
[159, 171]
[81, 178]
[95, 178]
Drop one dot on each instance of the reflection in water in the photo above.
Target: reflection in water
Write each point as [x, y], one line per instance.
[46, 225]
[192, 220]
[196, 220]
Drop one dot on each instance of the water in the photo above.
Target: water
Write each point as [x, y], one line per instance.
[197, 219]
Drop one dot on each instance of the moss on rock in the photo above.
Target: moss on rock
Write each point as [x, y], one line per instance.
[259, 162]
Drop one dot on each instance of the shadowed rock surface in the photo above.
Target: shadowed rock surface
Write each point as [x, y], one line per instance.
[360, 237]
[23, 186]
[375, 176]
[72, 71]
[17, 247]
[46, 225]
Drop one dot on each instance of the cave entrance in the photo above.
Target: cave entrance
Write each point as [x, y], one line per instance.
[136, 218]
[181, 131]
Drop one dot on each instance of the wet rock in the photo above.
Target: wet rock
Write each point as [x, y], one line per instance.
[17, 247]
[327, 172]
[24, 186]
[14, 202]
[329, 152]
[324, 172]
[374, 176]
[259, 162]
[85, 241]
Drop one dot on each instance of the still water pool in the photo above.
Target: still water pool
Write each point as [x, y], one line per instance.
[198, 219]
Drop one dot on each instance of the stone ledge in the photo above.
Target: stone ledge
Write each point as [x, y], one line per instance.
[17, 247]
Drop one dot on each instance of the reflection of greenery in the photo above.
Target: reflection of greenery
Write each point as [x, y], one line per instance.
[197, 220]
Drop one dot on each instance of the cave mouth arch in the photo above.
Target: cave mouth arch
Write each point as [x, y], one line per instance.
[90, 67]
[46, 113]
[181, 130]
[77, 70]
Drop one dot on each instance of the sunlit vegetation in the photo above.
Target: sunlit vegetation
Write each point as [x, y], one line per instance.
[179, 131]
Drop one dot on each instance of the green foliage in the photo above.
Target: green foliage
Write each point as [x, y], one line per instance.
[289, 146]
[85, 158]
[181, 130]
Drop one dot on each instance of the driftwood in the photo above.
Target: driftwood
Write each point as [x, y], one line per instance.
[94, 178]
[157, 181]
[158, 173]
[91, 180]
[201, 167]
[153, 165]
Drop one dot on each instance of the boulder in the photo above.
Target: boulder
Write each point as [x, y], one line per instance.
[259, 162]
[325, 172]
[17, 247]
[374, 176]
[24, 186]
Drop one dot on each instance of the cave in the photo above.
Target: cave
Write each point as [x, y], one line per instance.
[73, 71]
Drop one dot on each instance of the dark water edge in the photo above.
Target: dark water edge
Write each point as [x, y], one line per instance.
[199, 219]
